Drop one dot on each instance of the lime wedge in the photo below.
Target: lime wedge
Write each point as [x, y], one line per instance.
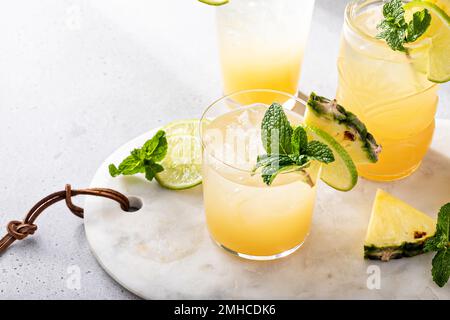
[214, 2]
[340, 174]
[439, 33]
[182, 163]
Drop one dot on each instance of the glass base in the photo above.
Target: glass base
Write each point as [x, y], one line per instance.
[261, 258]
[387, 178]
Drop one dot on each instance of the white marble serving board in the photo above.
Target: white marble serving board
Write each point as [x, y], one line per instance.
[164, 251]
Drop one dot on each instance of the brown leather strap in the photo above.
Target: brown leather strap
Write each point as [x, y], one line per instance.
[19, 230]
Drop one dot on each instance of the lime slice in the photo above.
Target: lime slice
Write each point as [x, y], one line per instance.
[439, 57]
[340, 174]
[441, 8]
[214, 2]
[438, 68]
[182, 127]
[182, 163]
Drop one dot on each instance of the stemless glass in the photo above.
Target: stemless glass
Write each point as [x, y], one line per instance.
[243, 215]
[388, 90]
[262, 43]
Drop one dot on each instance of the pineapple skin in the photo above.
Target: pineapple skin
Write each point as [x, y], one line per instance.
[406, 249]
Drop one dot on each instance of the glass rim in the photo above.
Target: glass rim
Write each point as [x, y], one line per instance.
[215, 102]
[353, 6]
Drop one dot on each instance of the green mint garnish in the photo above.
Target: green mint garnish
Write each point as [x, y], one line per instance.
[394, 28]
[276, 131]
[279, 163]
[419, 24]
[144, 160]
[440, 242]
[299, 141]
[319, 151]
[288, 149]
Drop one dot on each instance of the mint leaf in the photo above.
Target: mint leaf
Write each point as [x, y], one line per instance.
[113, 171]
[394, 36]
[156, 148]
[268, 174]
[441, 267]
[396, 31]
[440, 242]
[319, 151]
[393, 27]
[273, 165]
[418, 25]
[276, 131]
[129, 166]
[441, 239]
[443, 222]
[435, 243]
[144, 159]
[299, 141]
[393, 11]
[265, 160]
[300, 159]
[151, 169]
[276, 164]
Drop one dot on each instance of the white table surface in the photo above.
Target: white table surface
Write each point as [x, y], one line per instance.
[80, 78]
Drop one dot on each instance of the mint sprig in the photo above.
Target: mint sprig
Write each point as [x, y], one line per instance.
[440, 243]
[144, 159]
[288, 149]
[394, 28]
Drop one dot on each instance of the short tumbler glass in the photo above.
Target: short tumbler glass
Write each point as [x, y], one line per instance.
[245, 216]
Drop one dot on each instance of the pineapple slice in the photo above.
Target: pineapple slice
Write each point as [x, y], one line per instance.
[396, 229]
[344, 127]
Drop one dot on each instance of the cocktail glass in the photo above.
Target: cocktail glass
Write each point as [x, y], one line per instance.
[243, 215]
[388, 90]
[262, 43]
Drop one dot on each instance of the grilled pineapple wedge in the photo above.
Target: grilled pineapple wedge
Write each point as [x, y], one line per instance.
[396, 229]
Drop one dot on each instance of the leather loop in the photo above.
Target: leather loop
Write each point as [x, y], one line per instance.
[19, 230]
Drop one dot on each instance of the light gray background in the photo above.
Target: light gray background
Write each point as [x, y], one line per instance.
[80, 78]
